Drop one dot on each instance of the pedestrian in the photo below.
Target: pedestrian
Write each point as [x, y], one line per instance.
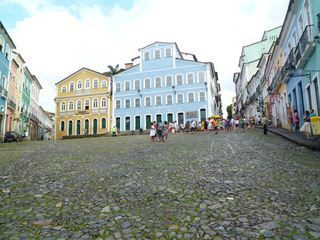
[253, 123]
[153, 132]
[165, 131]
[265, 125]
[295, 120]
[312, 113]
[306, 127]
[114, 131]
[236, 124]
[160, 130]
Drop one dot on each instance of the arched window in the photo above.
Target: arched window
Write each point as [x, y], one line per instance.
[79, 85]
[62, 126]
[103, 123]
[104, 84]
[95, 83]
[71, 106]
[79, 105]
[71, 87]
[63, 107]
[87, 104]
[64, 89]
[87, 84]
[103, 103]
[95, 103]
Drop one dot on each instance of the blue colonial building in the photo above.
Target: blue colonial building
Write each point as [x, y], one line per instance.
[6, 46]
[164, 83]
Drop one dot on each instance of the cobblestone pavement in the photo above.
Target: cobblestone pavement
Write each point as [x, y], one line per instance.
[195, 186]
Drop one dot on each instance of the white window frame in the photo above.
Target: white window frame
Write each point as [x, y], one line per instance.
[155, 81]
[69, 109]
[145, 101]
[61, 108]
[64, 89]
[176, 78]
[165, 52]
[118, 101]
[135, 81]
[194, 97]
[125, 86]
[71, 83]
[105, 102]
[187, 79]
[144, 55]
[205, 96]
[156, 102]
[204, 76]
[177, 98]
[105, 119]
[118, 84]
[135, 103]
[85, 104]
[154, 54]
[125, 103]
[79, 101]
[167, 99]
[94, 83]
[145, 83]
[103, 82]
[95, 100]
[85, 84]
[79, 81]
[166, 83]
[64, 125]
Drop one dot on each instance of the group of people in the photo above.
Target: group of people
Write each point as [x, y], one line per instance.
[306, 128]
[160, 131]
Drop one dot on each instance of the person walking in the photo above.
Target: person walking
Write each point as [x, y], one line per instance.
[265, 125]
[153, 132]
[114, 131]
[295, 119]
[306, 127]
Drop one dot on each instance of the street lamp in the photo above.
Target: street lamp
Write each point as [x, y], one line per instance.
[174, 89]
[139, 92]
[206, 85]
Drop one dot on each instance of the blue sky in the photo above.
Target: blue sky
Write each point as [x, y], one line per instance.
[58, 37]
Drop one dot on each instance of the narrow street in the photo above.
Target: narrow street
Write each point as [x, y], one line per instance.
[195, 186]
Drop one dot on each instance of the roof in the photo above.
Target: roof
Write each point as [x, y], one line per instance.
[37, 81]
[19, 55]
[81, 69]
[7, 34]
[163, 43]
[265, 32]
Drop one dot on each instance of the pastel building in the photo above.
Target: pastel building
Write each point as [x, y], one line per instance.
[6, 46]
[83, 104]
[164, 83]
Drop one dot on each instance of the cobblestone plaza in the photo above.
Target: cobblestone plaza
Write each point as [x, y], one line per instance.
[194, 186]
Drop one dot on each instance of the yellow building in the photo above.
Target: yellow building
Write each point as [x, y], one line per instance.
[83, 104]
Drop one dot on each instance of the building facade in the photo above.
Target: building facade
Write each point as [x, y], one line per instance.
[6, 46]
[83, 104]
[25, 102]
[36, 131]
[166, 84]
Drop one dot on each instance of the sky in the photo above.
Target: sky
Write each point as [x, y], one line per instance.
[56, 37]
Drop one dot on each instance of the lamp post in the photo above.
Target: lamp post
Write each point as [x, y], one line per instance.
[174, 89]
[139, 93]
[206, 85]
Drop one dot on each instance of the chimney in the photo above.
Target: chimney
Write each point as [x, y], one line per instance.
[128, 65]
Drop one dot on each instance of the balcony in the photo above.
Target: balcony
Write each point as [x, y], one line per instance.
[305, 47]
[3, 91]
[11, 104]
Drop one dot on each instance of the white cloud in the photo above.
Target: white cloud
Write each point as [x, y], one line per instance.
[55, 42]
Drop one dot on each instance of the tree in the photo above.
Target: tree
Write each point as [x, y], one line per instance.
[113, 70]
[229, 111]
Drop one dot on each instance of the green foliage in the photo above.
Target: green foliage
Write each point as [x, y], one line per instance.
[229, 111]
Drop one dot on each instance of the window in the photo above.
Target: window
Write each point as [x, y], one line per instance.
[158, 100]
[103, 103]
[168, 81]
[8, 52]
[127, 103]
[87, 84]
[202, 96]
[158, 82]
[127, 86]
[64, 89]
[201, 77]
[118, 104]
[79, 103]
[63, 107]
[79, 85]
[95, 103]
[95, 83]
[169, 99]
[118, 87]
[168, 52]
[147, 83]
[136, 84]
[104, 84]
[71, 87]
[103, 123]
[87, 104]
[137, 102]
[179, 80]
[62, 126]
[148, 102]
[146, 56]
[157, 54]
[190, 97]
[180, 98]
[190, 78]
[71, 106]
[1, 44]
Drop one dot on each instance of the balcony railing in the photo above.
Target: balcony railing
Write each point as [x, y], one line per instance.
[3, 91]
[305, 46]
[11, 104]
